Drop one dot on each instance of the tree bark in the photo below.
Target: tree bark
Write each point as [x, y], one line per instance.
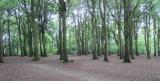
[35, 31]
[1, 42]
[62, 4]
[127, 24]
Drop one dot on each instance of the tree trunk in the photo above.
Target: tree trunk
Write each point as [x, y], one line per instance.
[127, 24]
[60, 52]
[35, 31]
[158, 37]
[62, 4]
[1, 42]
[9, 34]
[147, 37]
[104, 29]
[155, 32]
[30, 41]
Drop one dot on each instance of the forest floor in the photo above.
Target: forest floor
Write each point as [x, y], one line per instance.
[82, 69]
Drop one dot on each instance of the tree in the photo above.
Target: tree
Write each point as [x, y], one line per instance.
[18, 21]
[92, 10]
[147, 18]
[62, 7]
[42, 24]
[158, 38]
[127, 25]
[26, 10]
[104, 29]
[1, 40]
[9, 32]
[35, 31]
[116, 12]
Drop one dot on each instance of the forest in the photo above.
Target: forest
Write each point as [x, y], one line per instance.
[79, 40]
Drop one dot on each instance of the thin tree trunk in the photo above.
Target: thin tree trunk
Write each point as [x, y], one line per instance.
[155, 45]
[1, 42]
[60, 49]
[9, 34]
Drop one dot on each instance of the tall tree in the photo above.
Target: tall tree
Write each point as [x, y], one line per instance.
[155, 36]
[91, 4]
[63, 10]
[9, 32]
[116, 12]
[42, 24]
[35, 30]
[18, 21]
[127, 25]
[104, 28]
[158, 38]
[1, 40]
[147, 18]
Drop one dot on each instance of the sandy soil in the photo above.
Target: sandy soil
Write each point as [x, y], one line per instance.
[82, 69]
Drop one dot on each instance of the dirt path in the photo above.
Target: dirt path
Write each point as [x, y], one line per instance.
[41, 72]
[83, 69]
[73, 74]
